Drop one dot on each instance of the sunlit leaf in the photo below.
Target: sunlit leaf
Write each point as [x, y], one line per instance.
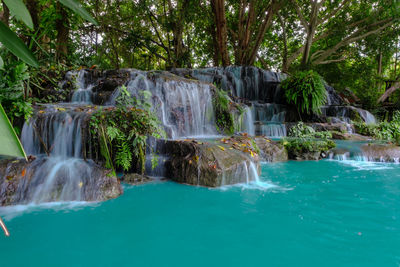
[16, 46]
[9, 142]
[1, 63]
[75, 6]
[19, 10]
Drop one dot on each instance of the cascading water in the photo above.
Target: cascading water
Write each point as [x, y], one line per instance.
[83, 93]
[62, 175]
[260, 87]
[183, 106]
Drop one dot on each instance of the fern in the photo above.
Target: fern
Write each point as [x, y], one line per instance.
[306, 91]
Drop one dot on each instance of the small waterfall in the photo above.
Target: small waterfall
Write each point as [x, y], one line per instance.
[184, 106]
[344, 114]
[54, 132]
[366, 116]
[83, 93]
[246, 122]
[63, 175]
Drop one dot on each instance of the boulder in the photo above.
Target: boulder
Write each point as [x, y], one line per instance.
[212, 163]
[135, 179]
[381, 152]
[271, 151]
[55, 179]
[348, 136]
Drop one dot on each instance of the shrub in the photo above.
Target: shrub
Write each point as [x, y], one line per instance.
[13, 78]
[306, 91]
[301, 147]
[301, 130]
[388, 131]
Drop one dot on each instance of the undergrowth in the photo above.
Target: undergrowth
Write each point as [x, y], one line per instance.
[122, 131]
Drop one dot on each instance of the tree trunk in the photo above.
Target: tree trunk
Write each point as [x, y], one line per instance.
[32, 6]
[5, 15]
[380, 64]
[62, 33]
[218, 7]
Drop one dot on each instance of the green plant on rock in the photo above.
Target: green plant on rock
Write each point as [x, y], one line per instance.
[301, 130]
[386, 130]
[301, 146]
[122, 132]
[306, 91]
[223, 116]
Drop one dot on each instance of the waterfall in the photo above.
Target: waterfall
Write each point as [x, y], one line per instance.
[83, 93]
[183, 106]
[58, 132]
[366, 116]
[63, 175]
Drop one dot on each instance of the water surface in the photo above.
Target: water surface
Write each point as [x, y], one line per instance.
[326, 213]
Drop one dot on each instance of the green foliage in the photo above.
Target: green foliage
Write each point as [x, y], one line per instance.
[123, 130]
[13, 80]
[305, 90]
[10, 144]
[301, 130]
[304, 139]
[388, 131]
[223, 116]
[301, 146]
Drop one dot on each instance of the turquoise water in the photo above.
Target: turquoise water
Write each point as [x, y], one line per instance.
[326, 213]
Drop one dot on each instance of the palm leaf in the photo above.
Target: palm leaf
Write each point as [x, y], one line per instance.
[19, 10]
[9, 142]
[16, 46]
[78, 9]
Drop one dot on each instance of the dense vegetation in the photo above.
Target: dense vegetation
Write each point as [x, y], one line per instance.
[304, 142]
[352, 44]
[386, 130]
[305, 90]
[122, 131]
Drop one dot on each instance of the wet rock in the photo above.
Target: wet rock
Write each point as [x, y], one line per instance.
[381, 152]
[135, 178]
[348, 136]
[54, 179]
[213, 163]
[307, 149]
[271, 151]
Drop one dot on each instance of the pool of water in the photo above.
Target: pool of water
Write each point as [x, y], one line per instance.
[326, 213]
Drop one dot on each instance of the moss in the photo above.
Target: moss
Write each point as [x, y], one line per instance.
[301, 148]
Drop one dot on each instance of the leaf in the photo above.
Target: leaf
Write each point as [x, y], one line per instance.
[222, 148]
[1, 63]
[78, 9]
[16, 46]
[19, 10]
[9, 142]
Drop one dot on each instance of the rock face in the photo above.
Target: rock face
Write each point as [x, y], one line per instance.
[135, 179]
[49, 179]
[381, 152]
[271, 151]
[212, 163]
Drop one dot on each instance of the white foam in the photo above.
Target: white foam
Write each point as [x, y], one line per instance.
[10, 212]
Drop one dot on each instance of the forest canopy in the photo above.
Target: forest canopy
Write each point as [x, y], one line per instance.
[352, 44]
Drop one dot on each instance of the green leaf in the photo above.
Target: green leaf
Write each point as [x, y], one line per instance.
[16, 46]
[75, 6]
[19, 10]
[9, 142]
[1, 63]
